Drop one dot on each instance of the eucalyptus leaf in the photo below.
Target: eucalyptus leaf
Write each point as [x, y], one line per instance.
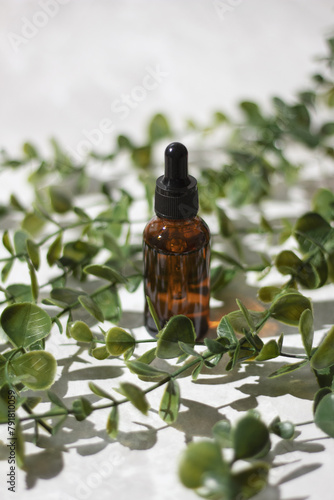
[268, 293]
[145, 372]
[82, 408]
[60, 199]
[54, 251]
[153, 313]
[197, 460]
[324, 414]
[197, 370]
[147, 357]
[306, 330]
[90, 305]
[324, 355]
[170, 402]
[283, 370]
[35, 369]
[118, 341]
[25, 323]
[289, 307]
[99, 392]
[178, 328]
[81, 332]
[222, 432]
[137, 397]
[100, 353]
[56, 400]
[250, 436]
[112, 423]
[7, 243]
[269, 350]
[33, 252]
[105, 272]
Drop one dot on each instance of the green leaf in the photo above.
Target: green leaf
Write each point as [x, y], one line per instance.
[170, 402]
[112, 423]
[82, 408]
[19, 445]
[178, 328]
[268, 293]
[214, 346]
[105, 272]
[67, 296]
[6, 270]
[80, 332]
[323, 203]
[7, 243]
[289, 307]
[137, 397]
[20, 239]
[197, 460]
[100, 392]
[186, 348]
[319, 395]
[109, 303]
[35, 369]
[60, 199]
[158, 128]
[247, 314]
[147, 357]
[54, 252]
[306, 330]
[324, 414]
[324, 355]
[25, 323]
[19, 292]
[222, 432]
[311, 230]
[100, 353]
[285, 430]
[250, 437]
[90, 305]
[153, 313]
[197, 370]
[145, 372]
[239, 323]
[118, 341]
[269, 350]
[33, 252]
[32, 223]
[283, 370]
[29, 150]
[33, 280]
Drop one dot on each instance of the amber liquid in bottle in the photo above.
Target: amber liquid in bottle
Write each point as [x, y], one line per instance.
[176, 276]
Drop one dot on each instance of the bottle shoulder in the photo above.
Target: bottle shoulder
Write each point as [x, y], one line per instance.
[176, 235]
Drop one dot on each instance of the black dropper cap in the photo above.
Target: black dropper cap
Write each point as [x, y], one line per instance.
[176, 195]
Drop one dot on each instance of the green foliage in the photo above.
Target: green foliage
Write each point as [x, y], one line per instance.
[97, 258]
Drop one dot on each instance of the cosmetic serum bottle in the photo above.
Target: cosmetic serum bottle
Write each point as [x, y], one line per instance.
[177, 248]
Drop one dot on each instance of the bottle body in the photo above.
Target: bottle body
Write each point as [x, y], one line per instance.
[177, 270]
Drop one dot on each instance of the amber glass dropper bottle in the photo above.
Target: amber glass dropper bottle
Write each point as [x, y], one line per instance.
[177, 248]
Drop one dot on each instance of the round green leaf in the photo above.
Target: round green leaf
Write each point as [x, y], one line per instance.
[80, 332]
[197, 460]
[250, 437]
[178, 328]
[82, 408]
[324, 414]
[289, 307]
[60, 200]
[288, 262]
[25, 323]
[35, 369]
[324, 355]
[118, 341]
[100, 353]
[310, 229]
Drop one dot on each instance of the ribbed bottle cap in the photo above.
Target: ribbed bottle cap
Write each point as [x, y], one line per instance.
[176, 195]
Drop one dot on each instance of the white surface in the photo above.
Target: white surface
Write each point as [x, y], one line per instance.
[63, 82]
